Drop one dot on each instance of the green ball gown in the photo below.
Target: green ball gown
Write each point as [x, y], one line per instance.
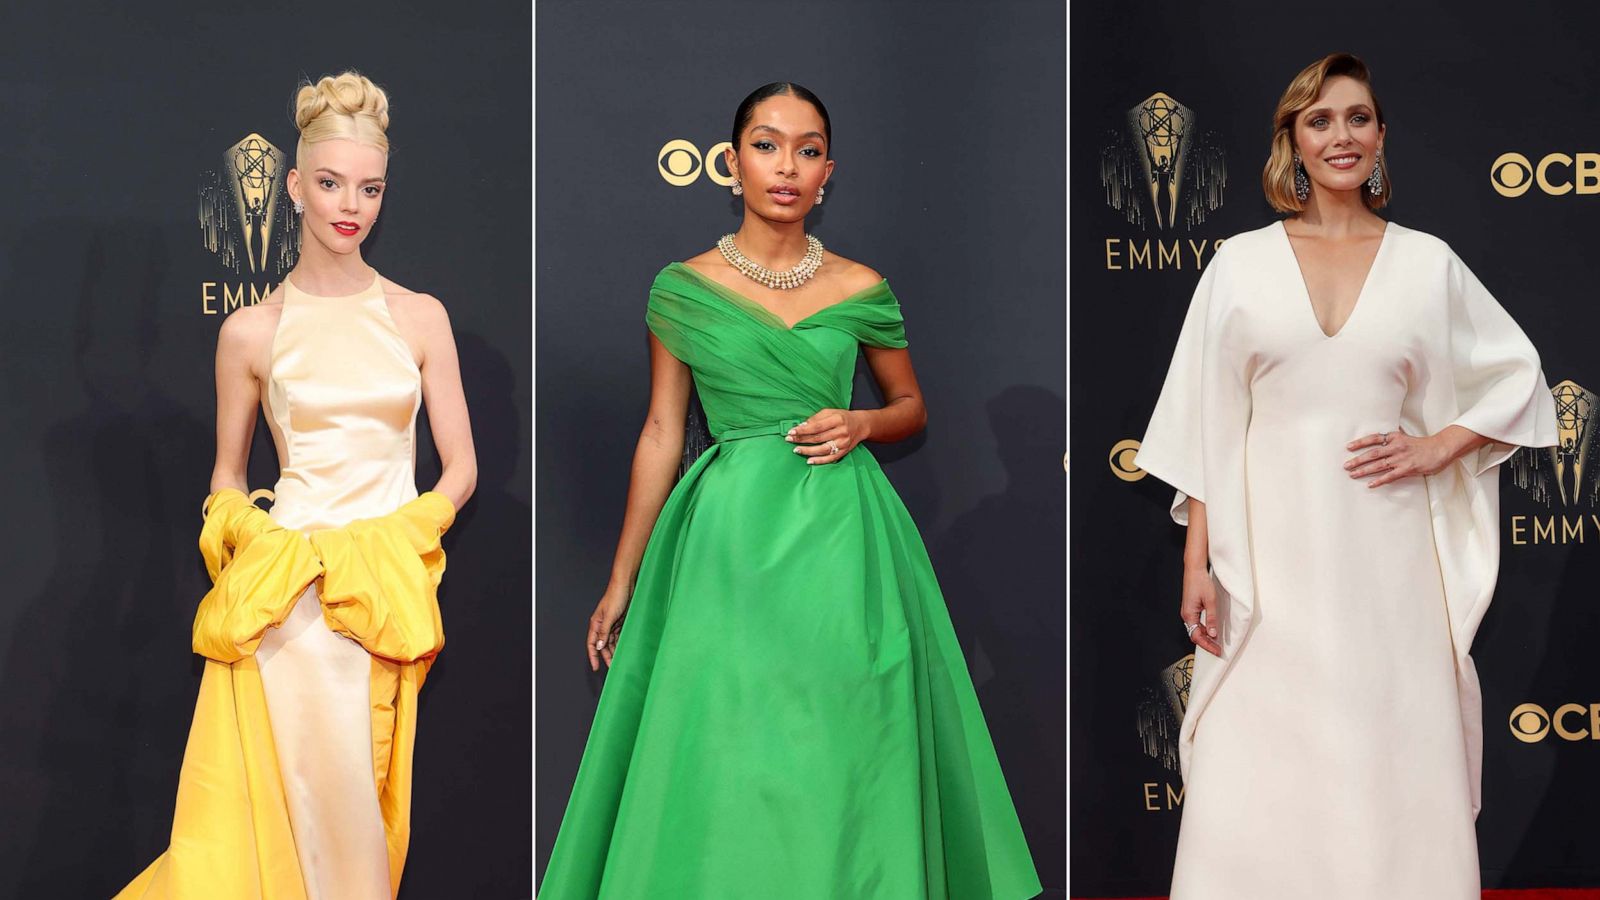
[787, 713]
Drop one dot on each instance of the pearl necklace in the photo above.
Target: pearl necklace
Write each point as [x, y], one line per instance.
[772, 278]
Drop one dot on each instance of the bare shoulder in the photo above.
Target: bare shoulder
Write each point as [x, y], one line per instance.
[852, 277]
[249, 327]
[710, 262]
[422, 309]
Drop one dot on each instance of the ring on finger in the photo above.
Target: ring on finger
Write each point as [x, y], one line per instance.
[833, 447]
[1190, 627]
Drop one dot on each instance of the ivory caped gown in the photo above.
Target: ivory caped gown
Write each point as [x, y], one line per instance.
[1334, 750]
[787, 714]
[319, 631]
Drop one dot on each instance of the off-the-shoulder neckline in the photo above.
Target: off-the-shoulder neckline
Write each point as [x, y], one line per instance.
[744, 300]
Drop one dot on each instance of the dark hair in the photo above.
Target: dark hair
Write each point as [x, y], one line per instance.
[741, 117]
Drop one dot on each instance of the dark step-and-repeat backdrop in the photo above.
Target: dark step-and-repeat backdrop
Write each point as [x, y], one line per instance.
[1494, 147]
[141, 203]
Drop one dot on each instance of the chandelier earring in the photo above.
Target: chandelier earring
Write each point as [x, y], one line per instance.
[1302, 184]
[1375, 180]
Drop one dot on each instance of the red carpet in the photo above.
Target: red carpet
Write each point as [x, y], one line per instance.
[1521, 894]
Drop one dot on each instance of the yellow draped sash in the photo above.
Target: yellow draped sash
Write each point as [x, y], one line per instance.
[380, 577]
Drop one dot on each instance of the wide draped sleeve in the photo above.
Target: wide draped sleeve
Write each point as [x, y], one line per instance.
[1482, 373]
[1195, 442]
[1202, 405]
[1499, 387]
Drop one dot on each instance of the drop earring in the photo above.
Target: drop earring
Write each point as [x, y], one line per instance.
[819, 194]
[1302, 184]
[1375, 180]
[299, 207]
[738, 189]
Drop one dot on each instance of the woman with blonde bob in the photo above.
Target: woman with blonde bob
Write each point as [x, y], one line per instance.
[1342, 393]
[323, 619]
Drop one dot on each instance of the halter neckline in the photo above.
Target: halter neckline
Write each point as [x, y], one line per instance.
[376, 286]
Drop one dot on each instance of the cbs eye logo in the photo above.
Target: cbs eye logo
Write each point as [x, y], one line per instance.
[680, 163]
[1512, 174]
[1530, 723]
[1121, 460]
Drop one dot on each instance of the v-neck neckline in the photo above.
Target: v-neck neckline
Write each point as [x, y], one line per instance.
[1361, 293]
[767, 312]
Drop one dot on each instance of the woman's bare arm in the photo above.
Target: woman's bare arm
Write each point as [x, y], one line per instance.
[239, 343]
[446, 401]
[1197, 543]
[902, 414]
[655, 461]
[655, 471]
[1199, 593]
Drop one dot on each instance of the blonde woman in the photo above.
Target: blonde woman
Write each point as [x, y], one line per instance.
[1342, 393]
[323, 620]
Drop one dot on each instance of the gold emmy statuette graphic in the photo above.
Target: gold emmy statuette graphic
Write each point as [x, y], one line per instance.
[1567, 463]
[680, 163]
[1161, 124]
[1574, 408]
[1122, 460]
[1161, 712]
[1160, 155]
[258, 169]
[244, 215]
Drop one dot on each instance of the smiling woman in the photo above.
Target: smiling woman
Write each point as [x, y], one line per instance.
[1340, 398]
[787, 713]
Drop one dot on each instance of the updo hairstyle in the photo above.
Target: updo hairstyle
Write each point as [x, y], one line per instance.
[348, 105]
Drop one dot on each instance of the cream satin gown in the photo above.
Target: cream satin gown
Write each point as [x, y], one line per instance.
[341, 402]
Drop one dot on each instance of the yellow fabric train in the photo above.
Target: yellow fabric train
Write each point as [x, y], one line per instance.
[380, 577]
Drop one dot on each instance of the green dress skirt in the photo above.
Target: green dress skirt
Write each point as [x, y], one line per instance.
[787, 713]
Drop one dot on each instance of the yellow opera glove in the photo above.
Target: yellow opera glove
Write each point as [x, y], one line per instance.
[250, 590]
[381, 578]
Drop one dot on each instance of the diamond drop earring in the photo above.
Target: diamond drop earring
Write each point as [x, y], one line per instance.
[1302, 184]
[738, 189]
[299, 207]
[1375, 180]
[819, 194]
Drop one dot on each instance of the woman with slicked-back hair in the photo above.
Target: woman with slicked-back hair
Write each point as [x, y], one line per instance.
[323, 619]
[787, 714]
[1342, 394]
